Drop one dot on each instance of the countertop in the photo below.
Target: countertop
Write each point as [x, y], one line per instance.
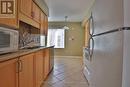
[19, 53]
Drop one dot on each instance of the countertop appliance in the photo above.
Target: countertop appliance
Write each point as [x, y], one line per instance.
[8, 40]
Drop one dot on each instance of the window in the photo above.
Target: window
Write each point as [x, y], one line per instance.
[56, 37]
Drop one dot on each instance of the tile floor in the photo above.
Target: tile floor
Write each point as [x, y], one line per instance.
[67, 73]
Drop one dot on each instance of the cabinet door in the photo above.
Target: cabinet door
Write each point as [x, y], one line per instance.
[36, 13]
[26, 7]
[42, 31]
[46, 63]
[10, 20]
[8, 74]
[38, 63]
[26, 71]
[46, 25]
[51, 55]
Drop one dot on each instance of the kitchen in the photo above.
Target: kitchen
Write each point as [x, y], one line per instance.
[105, 49]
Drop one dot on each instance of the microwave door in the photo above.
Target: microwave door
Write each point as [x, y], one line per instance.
[91, 48]
[4, 40]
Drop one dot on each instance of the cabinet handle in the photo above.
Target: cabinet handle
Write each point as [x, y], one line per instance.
[17, 67]
[32, 14]
[20, 66]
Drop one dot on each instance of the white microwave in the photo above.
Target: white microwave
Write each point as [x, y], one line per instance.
[9, 40]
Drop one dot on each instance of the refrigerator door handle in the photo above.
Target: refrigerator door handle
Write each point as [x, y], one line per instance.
[91, 49]
[92, 24]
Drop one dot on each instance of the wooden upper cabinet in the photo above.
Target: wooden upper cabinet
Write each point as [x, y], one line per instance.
[46, 63]
[36, 12]
[29, 13]
[26, 7]
[46, 25]
[42, 30]
[9, 74]
[38, 64]
[26, 11]
[26, 71]
[10, 20]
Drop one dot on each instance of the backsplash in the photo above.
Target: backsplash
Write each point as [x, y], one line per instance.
[28, 35]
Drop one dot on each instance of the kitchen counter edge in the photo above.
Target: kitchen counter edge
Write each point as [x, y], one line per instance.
[22, 52]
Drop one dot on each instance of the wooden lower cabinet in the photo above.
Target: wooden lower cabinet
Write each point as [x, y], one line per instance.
[51, 58]
[26, 71]
[38, 65]
[46, 63]
[8, 74]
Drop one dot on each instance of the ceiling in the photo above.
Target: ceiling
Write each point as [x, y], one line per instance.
[76, 10]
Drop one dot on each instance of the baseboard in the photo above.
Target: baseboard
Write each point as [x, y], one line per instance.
[68, 57]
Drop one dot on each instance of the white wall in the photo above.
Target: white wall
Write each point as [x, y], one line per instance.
[127, 13]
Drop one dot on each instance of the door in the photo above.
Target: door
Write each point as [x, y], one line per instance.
[38, 64]
[51, 51]
[46, 63]
[105, 66]
[26, 7]
[42, 31]
[26, 71]
[10, 20]
[46, 25]
[36, 12]
[9, 74]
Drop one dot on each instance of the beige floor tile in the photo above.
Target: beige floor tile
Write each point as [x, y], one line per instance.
[61, 76]
[60, 84]
[67, 73]
[46, 85]
[77, 85]
[51, 80]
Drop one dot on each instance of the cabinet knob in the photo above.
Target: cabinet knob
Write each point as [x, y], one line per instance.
[32, 14]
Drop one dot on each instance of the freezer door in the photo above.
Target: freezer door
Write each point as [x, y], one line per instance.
[106, 65]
